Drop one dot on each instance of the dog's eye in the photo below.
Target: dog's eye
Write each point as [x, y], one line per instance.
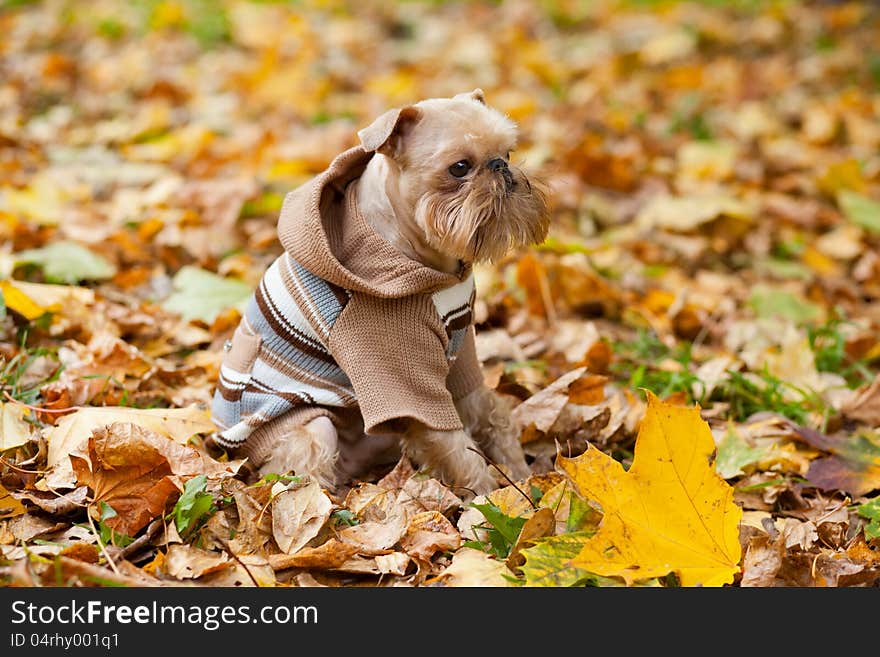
[460, 168]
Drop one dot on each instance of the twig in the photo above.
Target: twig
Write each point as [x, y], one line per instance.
[22, 470]
[40, 409]
[143, 540]
[504, 474]
[232, 554]
[846, 501]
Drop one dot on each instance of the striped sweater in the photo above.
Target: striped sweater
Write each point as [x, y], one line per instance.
[341, 320]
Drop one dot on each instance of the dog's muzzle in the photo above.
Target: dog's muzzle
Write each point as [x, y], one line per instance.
[499, 165]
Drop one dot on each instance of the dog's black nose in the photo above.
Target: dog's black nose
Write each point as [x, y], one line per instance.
[497, 164]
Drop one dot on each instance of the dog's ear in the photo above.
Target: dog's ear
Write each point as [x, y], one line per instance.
[384, 135]
[476, 94]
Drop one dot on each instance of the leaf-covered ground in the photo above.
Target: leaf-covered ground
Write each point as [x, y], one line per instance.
[715, 170]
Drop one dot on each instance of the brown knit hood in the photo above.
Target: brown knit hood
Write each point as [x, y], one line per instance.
[321, 228]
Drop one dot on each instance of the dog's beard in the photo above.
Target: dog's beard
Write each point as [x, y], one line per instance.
[486, 217]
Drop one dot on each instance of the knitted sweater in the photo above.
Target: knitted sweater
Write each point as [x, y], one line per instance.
[342, 320]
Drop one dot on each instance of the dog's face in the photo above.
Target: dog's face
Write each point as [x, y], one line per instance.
[451, 157]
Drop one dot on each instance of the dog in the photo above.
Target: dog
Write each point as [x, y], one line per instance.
[359, 341]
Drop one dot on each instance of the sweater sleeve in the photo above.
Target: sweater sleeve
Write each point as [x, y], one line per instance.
[396, 362]
[465, 374]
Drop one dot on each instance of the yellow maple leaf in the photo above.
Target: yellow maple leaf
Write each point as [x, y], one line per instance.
[670, 512]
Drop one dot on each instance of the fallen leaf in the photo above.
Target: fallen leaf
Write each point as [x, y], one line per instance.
[72, 432]
[136, 472]
[18, 301]
[9, 506]
[200, 294]
[830, 568]
[245, 570]
[376, 537]
[549, 561]
[540, 524]
[854, 464]
[298, 514]
[188, 562]
[329, 555]
[57, 503]
[860, 209]
[68, 262]
[543, 408]
[762, 561]
[15, 431]
[768, 301]
[470, 568]
[688, 213]
[735, 453]
[863, 404]
[428, 533]
[798, 533]
[394, 563]
[670, 512]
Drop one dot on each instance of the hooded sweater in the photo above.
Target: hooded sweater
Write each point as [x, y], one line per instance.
[342, 320]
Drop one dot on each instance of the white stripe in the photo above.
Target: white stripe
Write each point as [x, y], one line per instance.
[455, 296]
[279, 296]
[464, 311]
[305, 295]
[299, 373]
[231, 376]
[269, 376]
[283, 384]
[237, 433]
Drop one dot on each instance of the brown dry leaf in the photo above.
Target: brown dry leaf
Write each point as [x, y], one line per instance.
[245, 570]
[250, 525]
[423, 493]
[188, 562]
[762, 561]
[402, 493]
[863, 405]
[543, 408]
[797, 533]
[298, 514]
[370, 501]
[394, 563]
[376, 537]
[428, 533]
[56, 503]
[470, 568]
[531, 275]
[28, 526]
[329, 555]
[588, 390]
[854, 463]
[72, 432]
[14, 430]
[830, 567]
[136, 471]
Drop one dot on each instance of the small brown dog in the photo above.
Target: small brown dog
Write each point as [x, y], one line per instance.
[360, 337]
